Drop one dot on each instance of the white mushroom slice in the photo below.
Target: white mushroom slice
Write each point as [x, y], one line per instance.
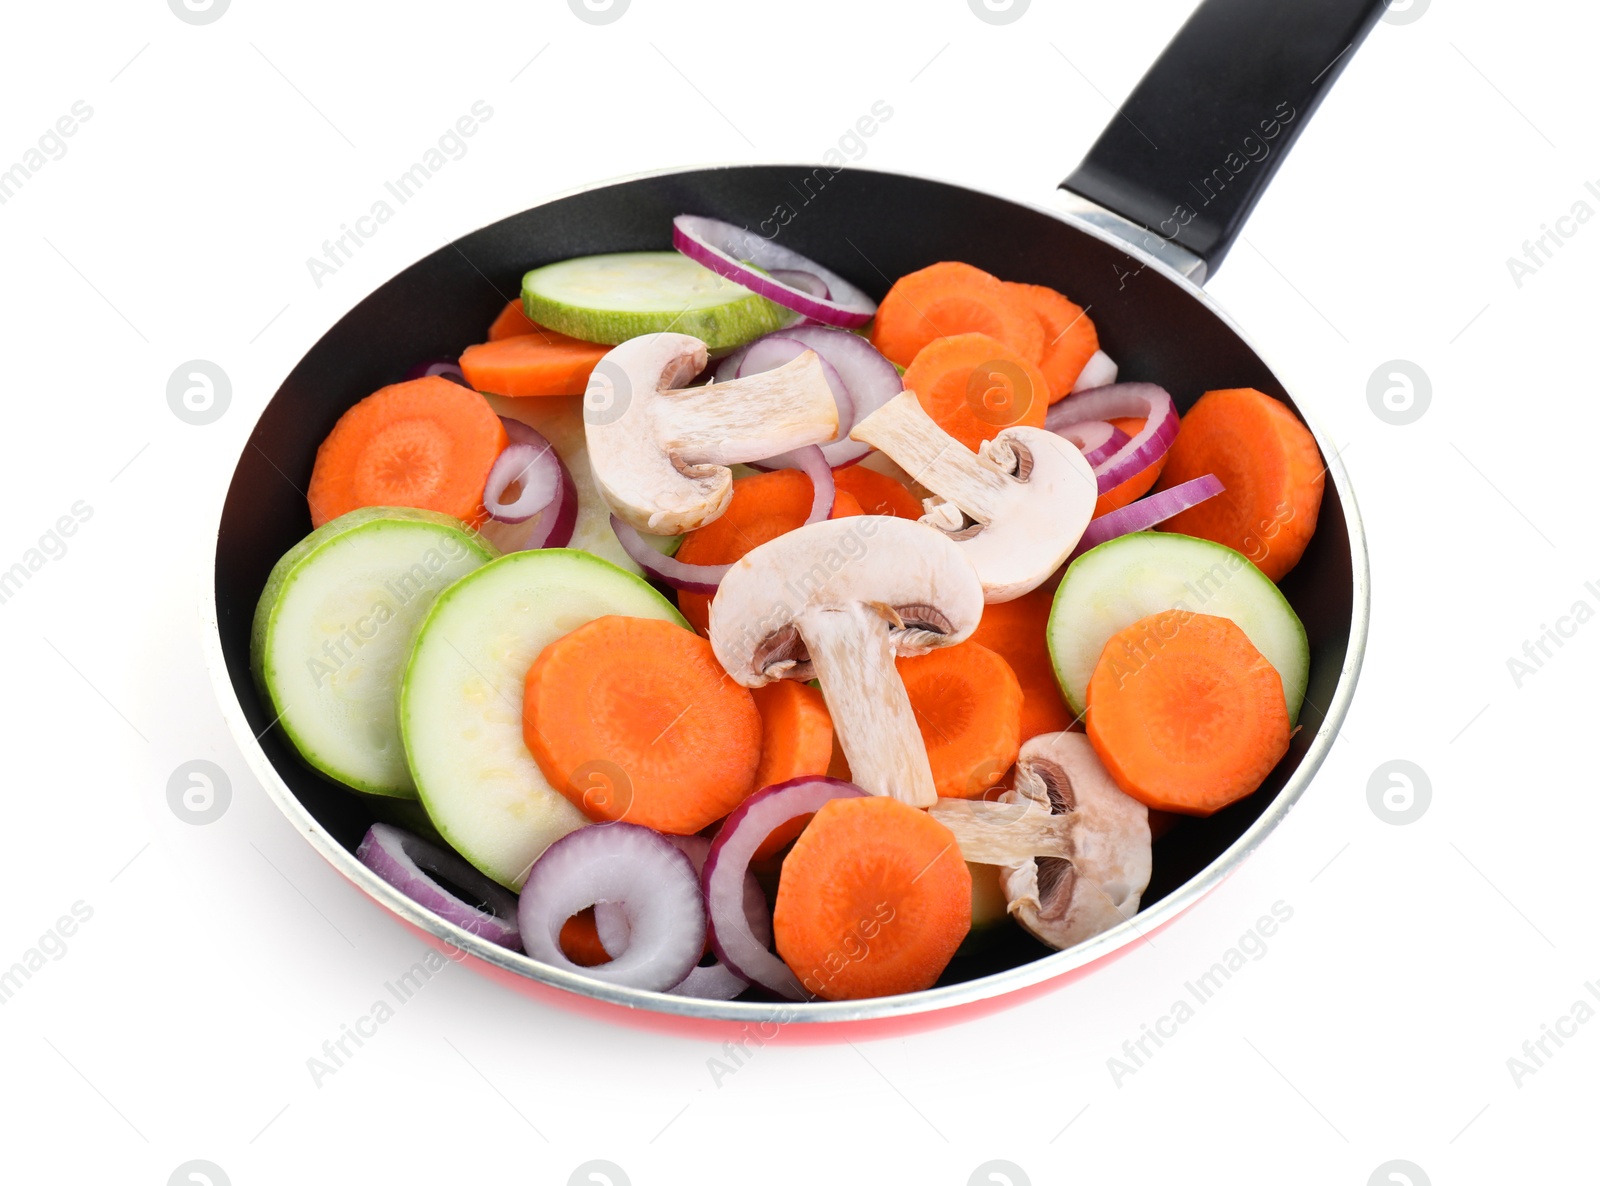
[839, 601]
[1017, 507]
[661, 451]
[1074, 850]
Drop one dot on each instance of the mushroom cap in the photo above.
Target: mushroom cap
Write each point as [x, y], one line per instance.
[660, 450]
[1097, 884]
[912, 575]
[1037, 520]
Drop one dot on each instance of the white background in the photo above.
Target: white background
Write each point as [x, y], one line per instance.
[1419, 958]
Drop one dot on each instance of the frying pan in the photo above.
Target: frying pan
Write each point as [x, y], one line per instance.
[1150, 213]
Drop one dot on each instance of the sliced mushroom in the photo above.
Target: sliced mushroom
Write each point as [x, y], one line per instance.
[660, 451]
[1074, 851]
[839, 601]
[1017, 507]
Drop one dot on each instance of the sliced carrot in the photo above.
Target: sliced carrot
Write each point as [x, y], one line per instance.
[426, 443]
[646, 703]
[973, 386]
[543, 363]
[1015, 630]
[1070, 339]
[1185, 713]
[968, 705]
[796, 740]
[845, 505]
[878, 493]
[763, 507]
[513, 322]
[580, 940]
[1271, 473]
[838, 764]
[873, 900]
[953, 298]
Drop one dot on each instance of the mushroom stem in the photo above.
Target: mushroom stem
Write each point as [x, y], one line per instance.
[1073, 850]
[1003, 832]
[852, 652]
[750, 418]
[974, 483]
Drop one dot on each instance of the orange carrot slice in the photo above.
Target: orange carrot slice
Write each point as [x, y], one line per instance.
[878, 493]
[973, 386]
[1185, 713]
[540, 363]
[1070, 339]
[646, 702]
[796, 740]
[580, 940]
[426, 443]
[873, 900]
[953, 298]
[513, 322]
[763, 507]
[1271, 473]
[968, 705]
[1015, 630]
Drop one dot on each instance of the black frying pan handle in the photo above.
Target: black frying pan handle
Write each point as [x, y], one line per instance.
[1190, 152]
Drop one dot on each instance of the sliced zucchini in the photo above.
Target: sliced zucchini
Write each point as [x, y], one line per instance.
[461, 702]
[333, 630]
[611, 298]
[1113, 586]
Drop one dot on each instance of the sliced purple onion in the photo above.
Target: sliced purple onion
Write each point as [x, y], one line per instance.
[550, 528]
[736, 843]
[643, 873]
[868, 377]
[711, 982]
[537, 473]
[691, 578]
[727, 367]
[445, 368]
[704, 578]
[729, 251]
[1148, 445]
[807, 282]
[1147, 512]
[412, 865]
[1099, 371]
[1097, 440]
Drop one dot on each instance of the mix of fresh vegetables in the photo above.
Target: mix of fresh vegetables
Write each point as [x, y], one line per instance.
[740, 635]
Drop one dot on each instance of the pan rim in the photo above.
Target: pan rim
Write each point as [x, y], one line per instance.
[996, 985]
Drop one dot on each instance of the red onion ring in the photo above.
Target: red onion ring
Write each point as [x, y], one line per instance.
[639, 870]
[553, 527]
[1099, 371]
[411, 865]
[445, 368]
[711, 982]
[809, 283]
[537, 470]
[729, 861]
[1148, 445]
[669, 570]
[729, 251]
[1147, 512]
[868, 377]
[1097, 440]
[704, 578]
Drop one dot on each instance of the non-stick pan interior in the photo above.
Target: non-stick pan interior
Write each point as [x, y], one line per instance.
[871, 228]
